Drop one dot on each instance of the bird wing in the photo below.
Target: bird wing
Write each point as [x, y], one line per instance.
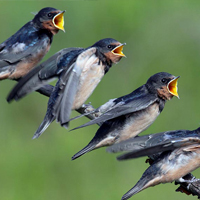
[12, 54]
[133, 102]
[38, 76]
[146, 141]
[58, 62]
[160, 144]
[72, 76]
[13, 58]
[22, 44]
[69, 83]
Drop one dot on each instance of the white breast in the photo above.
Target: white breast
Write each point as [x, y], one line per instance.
[178, 166]
[90, 78]
[139, 121]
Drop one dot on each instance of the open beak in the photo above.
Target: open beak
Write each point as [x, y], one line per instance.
[58, 21]
[172, 86]
[118, 50]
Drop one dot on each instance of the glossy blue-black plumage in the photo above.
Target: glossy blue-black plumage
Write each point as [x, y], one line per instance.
[29, 35]
[67, 65]
[153, 144]
[44, 73]
[129, 115]
[54, 109]
[68, 58]
[173, 155]
[54, 66]
[23, 50]
[65, 61]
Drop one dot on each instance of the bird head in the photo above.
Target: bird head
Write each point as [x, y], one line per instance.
[50, 19]
[111, 49]
[164, 84]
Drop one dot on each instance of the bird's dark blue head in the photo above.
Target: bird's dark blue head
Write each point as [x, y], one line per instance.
[51, 19]
[111, 48]
[163, 84]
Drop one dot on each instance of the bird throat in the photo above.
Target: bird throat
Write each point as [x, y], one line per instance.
[164, 93]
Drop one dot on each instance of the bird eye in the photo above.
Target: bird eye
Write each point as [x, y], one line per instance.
[164, 80]
[109, 46]
[50, 15]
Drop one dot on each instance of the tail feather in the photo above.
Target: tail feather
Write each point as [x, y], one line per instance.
[140, 185]
[43, 126]
[86, 149]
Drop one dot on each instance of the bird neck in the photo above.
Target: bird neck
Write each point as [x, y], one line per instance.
[41, 31]
[151, 89]
[162, 92]
[36, 22]
[106, 61]
[161, 104]
[161, 99]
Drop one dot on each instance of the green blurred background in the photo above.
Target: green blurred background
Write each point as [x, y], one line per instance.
[160, 36]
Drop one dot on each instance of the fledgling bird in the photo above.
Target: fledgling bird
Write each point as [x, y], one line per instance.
[79, 71]
[175, 154]
[26, 48]
[129, 115]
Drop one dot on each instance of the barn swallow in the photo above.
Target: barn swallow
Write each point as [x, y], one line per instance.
[78, 70]
[24, 50]
[129, 115]
[177, 153]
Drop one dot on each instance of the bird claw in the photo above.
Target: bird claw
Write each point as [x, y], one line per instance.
[182, 180]
[183, 190]
[88, 107]
[150, 161]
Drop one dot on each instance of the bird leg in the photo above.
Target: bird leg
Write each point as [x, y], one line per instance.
[88, 108]
[182, 180]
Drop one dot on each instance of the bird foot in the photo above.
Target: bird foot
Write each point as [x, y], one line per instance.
[88, 108]
[183, 190]
[182, 180]
[150, 161]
